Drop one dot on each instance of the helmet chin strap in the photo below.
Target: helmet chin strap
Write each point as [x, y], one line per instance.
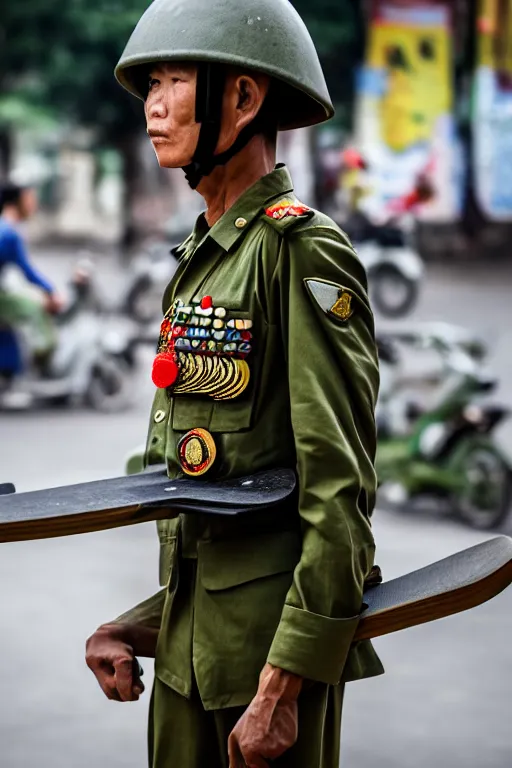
[211, 83]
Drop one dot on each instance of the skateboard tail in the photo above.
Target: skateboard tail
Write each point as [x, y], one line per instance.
[455, 584]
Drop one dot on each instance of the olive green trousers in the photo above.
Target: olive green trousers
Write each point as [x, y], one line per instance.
[31, 315]
[183, 735]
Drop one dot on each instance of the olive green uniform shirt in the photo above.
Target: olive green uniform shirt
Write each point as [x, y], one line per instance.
[286, 585]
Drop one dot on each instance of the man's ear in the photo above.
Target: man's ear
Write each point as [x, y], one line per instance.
[250, 93]
[243, 98]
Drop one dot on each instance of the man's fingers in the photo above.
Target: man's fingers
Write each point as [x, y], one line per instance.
[240, 759]
[112, 693]
[118, 682]
[107, 684]
[235, 758]
[137, 684]
[124, 677]
[255, 761]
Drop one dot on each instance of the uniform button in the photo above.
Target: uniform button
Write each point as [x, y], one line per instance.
[240, 223]
[159, 416]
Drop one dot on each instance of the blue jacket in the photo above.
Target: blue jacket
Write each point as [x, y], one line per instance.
[12, 251]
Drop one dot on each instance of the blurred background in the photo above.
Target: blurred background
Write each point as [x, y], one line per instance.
[417, 167]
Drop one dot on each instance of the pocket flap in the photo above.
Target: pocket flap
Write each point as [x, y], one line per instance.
[229, 563]
[213, 415]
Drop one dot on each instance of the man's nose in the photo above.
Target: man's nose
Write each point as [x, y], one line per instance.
[156, 109]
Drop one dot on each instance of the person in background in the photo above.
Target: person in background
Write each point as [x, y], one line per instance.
[17, 204]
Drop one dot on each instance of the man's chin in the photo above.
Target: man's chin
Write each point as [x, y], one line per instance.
[169, 158]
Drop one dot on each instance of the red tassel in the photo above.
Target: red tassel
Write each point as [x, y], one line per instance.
[165, 370]
[206, 302]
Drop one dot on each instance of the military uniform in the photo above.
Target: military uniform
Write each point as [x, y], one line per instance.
[284, 586]
[266, 358]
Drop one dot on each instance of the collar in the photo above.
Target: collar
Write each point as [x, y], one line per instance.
[234, 223]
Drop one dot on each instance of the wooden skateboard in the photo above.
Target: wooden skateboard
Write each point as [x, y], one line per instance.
[452, 585]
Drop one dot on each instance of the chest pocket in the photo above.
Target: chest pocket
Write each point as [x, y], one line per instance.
[189, 412]
[229, 415]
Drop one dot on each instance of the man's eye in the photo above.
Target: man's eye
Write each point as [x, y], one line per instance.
[152, 81]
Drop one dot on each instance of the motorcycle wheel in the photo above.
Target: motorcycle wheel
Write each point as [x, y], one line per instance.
[485, 501]
[391, 292]
[108, 389]
[144, 301]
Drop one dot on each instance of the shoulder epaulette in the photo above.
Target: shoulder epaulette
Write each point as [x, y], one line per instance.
[285, 208]
[286, 214]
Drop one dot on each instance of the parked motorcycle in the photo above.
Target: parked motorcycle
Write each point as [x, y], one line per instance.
[394, 267]
[93, 361]
[447, 449]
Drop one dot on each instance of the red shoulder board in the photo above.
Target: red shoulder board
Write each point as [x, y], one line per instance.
[287, 208]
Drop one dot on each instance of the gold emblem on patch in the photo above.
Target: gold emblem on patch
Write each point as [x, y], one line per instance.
[342, 308]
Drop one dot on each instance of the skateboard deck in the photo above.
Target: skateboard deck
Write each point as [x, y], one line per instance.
[452, 585]
[126, 500]
[449, 586]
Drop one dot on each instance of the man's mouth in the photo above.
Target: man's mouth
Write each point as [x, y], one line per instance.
[158, 137]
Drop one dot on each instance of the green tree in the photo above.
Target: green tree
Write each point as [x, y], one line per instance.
[337, 28]
[60, 56]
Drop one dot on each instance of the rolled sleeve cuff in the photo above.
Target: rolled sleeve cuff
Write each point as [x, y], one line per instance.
[146, 614]
[312, 646]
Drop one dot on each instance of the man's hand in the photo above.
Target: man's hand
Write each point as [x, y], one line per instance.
[269, 726]
[110, 654]
[53, 303]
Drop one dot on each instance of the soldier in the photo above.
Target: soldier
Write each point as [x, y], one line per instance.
[266, 358]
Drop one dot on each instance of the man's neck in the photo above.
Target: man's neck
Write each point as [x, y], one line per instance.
[10, 214]
[222, 188]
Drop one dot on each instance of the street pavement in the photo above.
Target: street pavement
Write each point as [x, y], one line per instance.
[445, 700]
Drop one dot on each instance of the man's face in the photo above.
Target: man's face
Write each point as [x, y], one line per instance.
[27, 205]
[170, 113]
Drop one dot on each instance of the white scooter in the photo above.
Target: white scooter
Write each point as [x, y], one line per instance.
[92, 363]
[394, 267]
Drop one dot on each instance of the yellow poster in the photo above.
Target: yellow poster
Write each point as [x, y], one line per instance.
[404, 114]
[416, 61]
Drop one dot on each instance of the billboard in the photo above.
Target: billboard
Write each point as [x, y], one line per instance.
[492, 110]
[404, 105]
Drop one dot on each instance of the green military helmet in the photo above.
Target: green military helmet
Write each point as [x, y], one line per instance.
[267, 36]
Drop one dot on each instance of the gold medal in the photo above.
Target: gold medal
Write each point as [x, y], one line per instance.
[229, 378]
[197, 372]
[212, 384]
[240, 384]
[196, 452]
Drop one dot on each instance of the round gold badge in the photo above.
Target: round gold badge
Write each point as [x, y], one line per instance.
[196, 452]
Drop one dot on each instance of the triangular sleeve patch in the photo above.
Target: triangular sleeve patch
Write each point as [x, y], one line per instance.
[335, 300]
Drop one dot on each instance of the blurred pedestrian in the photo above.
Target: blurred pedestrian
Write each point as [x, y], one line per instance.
[17, 204]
